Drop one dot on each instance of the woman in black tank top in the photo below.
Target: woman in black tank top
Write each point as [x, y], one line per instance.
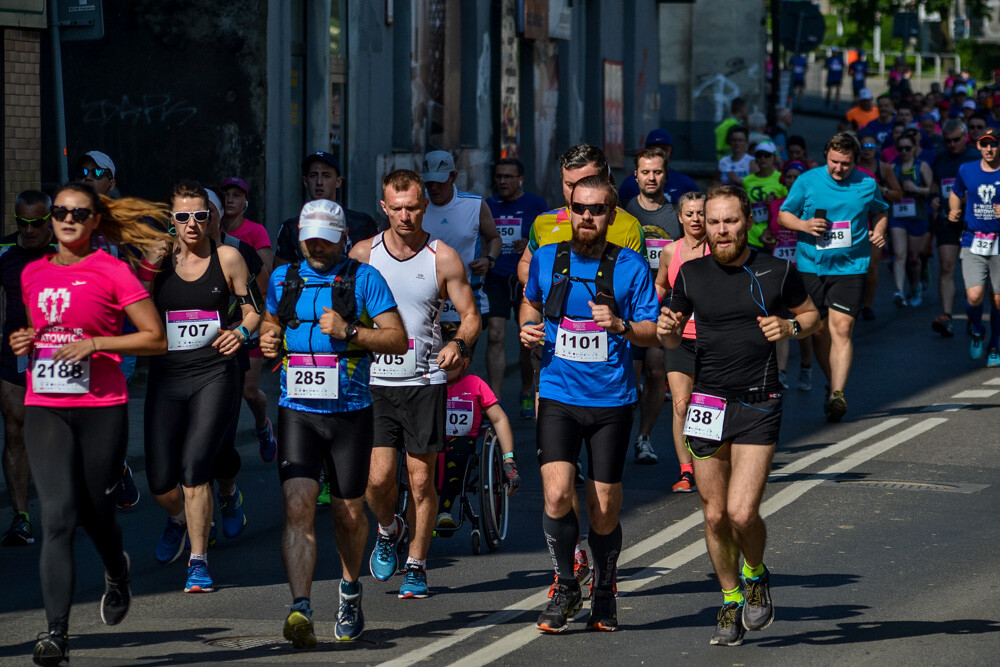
[193, 388]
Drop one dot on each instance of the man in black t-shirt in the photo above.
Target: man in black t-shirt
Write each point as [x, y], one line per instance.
[735, 413]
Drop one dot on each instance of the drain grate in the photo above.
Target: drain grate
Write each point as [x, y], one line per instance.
[267, 642]
[900, 485]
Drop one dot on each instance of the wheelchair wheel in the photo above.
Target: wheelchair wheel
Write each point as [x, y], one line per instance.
[477, 542]
[493, 500]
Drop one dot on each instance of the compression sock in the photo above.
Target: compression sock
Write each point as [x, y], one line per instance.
[994, 329]
[975, 314]
[391, 530]
[350, 587]
[422, 562]
[201, 557]
[561, 536]
[302, 604]
[752, 572]
[606, 549]
[687, 467]
[178, 518]
[735, 595]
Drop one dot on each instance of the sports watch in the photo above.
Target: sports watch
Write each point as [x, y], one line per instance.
[796, 328]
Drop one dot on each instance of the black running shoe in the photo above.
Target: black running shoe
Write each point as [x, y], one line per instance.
[836, 407]
[564, 605]
[128, 493]
[19, 533]
[758, 611]
[117, 597]
[730, 630]
[52, 648]
[603, 611]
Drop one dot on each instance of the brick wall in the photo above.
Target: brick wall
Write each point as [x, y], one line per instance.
[22, 144]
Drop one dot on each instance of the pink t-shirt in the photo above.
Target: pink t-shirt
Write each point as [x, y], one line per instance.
[467, 398]
[252, 233]
[69, 303]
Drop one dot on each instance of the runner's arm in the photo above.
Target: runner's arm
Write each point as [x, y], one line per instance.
[893, 191]
[491, 241]
[388, 338]
[148, 340]
[455, 286]
[662, 280]
[955, 204]
[524, 265]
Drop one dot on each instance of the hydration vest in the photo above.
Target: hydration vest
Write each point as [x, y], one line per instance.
[604, 292]
[342, 298]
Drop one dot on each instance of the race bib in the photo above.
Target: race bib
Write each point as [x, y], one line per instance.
[395, 365]
[191, 329]
[946, 185]
[705, 416]
[458, 421]
[49, 376]
[654, 248]
[510, 231]
[984, 244]
[312, 376]
[837, 236]
[581, 340]
[759, 212]
[450, 314]
[905, 208]
[785, 251]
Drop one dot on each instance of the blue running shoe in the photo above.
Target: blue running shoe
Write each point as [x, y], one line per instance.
[976, 346]
[171, 542]
[233, 518]
[993, 358]
[199, 580]
[383, 559]
[350, 618]
[268, 445]
[414, 582]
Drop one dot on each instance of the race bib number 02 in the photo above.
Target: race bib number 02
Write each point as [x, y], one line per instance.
[395, 365]
[785, 251]
[582, 340]
[191, 329]
[312, 376]
[459, 418]
[837, 236]
[654, 248]
[510, 231]
[705, 416]
[984, 244]
[49, 376]
[905, 208]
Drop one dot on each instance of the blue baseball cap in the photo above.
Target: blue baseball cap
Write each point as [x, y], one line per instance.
[659, 137]
[322, 156]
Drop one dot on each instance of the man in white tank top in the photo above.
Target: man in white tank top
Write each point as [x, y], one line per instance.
[409, 392]
[463, 221]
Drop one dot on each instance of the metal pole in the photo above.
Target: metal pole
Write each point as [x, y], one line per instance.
[774, 100]
[60, 102]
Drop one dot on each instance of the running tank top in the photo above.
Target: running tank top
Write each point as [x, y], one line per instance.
[672, 270]
[414, 286]
[457, 224]
[912, 206]
[190, 312]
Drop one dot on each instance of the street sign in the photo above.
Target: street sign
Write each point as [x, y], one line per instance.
[802, 26]
[81, 19]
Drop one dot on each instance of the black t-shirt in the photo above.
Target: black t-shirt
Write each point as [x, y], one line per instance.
[13, 259]
[733, 357]
[360, 226]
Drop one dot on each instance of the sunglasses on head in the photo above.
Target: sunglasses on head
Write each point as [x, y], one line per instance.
[96, 172]
[595, 209]
[183, 216]
[60, 213]
[37, 223]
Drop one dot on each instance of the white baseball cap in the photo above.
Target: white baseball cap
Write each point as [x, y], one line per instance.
[438, 166]
[766, 147]
[322, 219]
[214, 200]
[102, 160]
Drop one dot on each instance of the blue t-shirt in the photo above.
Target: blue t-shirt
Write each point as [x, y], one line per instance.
[852, 200]
[373, 298]
[882, 131]
[592, 383]
[859, 71]
[676, 185]
[508, 215]
[798, 64]
[834, 69]
[980, 191]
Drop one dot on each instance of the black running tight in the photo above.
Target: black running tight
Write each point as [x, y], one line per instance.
[76, 459]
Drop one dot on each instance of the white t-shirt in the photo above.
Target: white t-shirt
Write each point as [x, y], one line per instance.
[741, 167]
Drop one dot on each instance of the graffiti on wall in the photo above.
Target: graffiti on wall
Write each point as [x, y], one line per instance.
[720, 88]
[160, 109]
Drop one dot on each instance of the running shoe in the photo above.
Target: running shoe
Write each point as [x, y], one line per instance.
[836, 407]
[758, 611]
[581, 568]
[19, 533]
[117, 596]
[128, 494]
[729, 631]
[564, 605]
[867, 314]
[805, 379]
[414, 583]
[324, 494]
[350, 618]
[899, 300]
[527, 407]
[52, 648]
[383, 561]
[685, 484]
[233, 518]
[644, 454]
[299, 629]
[445, 521]
[976, 346]
[603, 611]
[943, 326]
[916, 296]
[993, 358]
[783, 379]
[199, 580]
[171, 542]
[268, 445]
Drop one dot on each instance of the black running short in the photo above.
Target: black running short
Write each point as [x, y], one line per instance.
[410, 417]
[680, 359]
[946, 232]
[504, 295]
[340, 441]
[755, 423]
[605, 431]
[845, 294]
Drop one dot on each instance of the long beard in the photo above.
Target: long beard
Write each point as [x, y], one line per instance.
[730, 254]
[591, 248]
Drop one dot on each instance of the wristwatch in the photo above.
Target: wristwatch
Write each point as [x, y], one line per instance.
[463, 349]
[245, 332]
[796, 328]
[626, 327]
[350, 331]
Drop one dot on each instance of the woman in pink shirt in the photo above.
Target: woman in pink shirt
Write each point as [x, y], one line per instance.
[76, 414]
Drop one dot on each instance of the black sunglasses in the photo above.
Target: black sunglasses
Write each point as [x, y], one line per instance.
[37, 223]
[60, 213]
[96, 172]
[183, 216]
[955, 140]
[986, 143]
[595, 209]
[905, 148]
[867, 147]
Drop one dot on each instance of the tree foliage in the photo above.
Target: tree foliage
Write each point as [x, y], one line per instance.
[863, 13]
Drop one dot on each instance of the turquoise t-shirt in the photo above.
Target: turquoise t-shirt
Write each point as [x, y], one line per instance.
[844, 249]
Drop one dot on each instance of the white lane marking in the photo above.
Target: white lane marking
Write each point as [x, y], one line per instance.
[786, 496]
[993, 381]
[674, 531]
[945, 407]
[976, 393]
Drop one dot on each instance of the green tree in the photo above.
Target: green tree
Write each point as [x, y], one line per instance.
[864, 13]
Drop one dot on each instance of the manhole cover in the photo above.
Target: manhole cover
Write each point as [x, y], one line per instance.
[899, 485]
